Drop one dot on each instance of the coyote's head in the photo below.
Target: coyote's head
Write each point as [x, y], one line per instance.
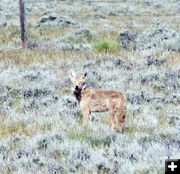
[79, 81]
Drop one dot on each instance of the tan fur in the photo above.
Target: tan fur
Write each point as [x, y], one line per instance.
[99, 100]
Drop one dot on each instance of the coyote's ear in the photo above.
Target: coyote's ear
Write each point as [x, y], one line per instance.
[85, 74]
[72, 74]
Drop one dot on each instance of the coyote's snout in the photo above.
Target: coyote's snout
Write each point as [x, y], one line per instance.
[99, 100]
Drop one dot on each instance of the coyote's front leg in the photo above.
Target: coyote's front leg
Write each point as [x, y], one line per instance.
[85, 114]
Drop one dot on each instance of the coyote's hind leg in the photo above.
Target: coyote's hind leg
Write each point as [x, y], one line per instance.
[111, 117]
[121, 117]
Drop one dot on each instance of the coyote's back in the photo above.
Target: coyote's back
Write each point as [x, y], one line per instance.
[99, 100]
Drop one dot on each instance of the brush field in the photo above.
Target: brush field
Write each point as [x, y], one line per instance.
[128, 45]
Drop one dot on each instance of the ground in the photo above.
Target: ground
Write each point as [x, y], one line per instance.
[127, 45]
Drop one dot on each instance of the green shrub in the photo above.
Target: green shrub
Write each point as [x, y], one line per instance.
[106, 46]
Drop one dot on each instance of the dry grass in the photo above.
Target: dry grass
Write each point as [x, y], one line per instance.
[29, 128]
[8, 34]
[18, 128]
[20, 57]
[173, 59]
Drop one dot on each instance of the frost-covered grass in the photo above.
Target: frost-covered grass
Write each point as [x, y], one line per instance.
[40, 120]
[41, 128]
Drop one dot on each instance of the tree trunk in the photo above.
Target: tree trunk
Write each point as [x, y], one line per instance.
[23, 23]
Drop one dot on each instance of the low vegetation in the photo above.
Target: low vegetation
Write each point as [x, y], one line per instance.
[124, 45]
[106, 46]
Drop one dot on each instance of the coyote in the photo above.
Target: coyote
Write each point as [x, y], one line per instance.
[99, 100]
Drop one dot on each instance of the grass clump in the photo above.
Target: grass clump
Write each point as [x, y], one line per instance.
[106, 46]
[90, 138]
[14, 94]
[18, 128]
[14, 128]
